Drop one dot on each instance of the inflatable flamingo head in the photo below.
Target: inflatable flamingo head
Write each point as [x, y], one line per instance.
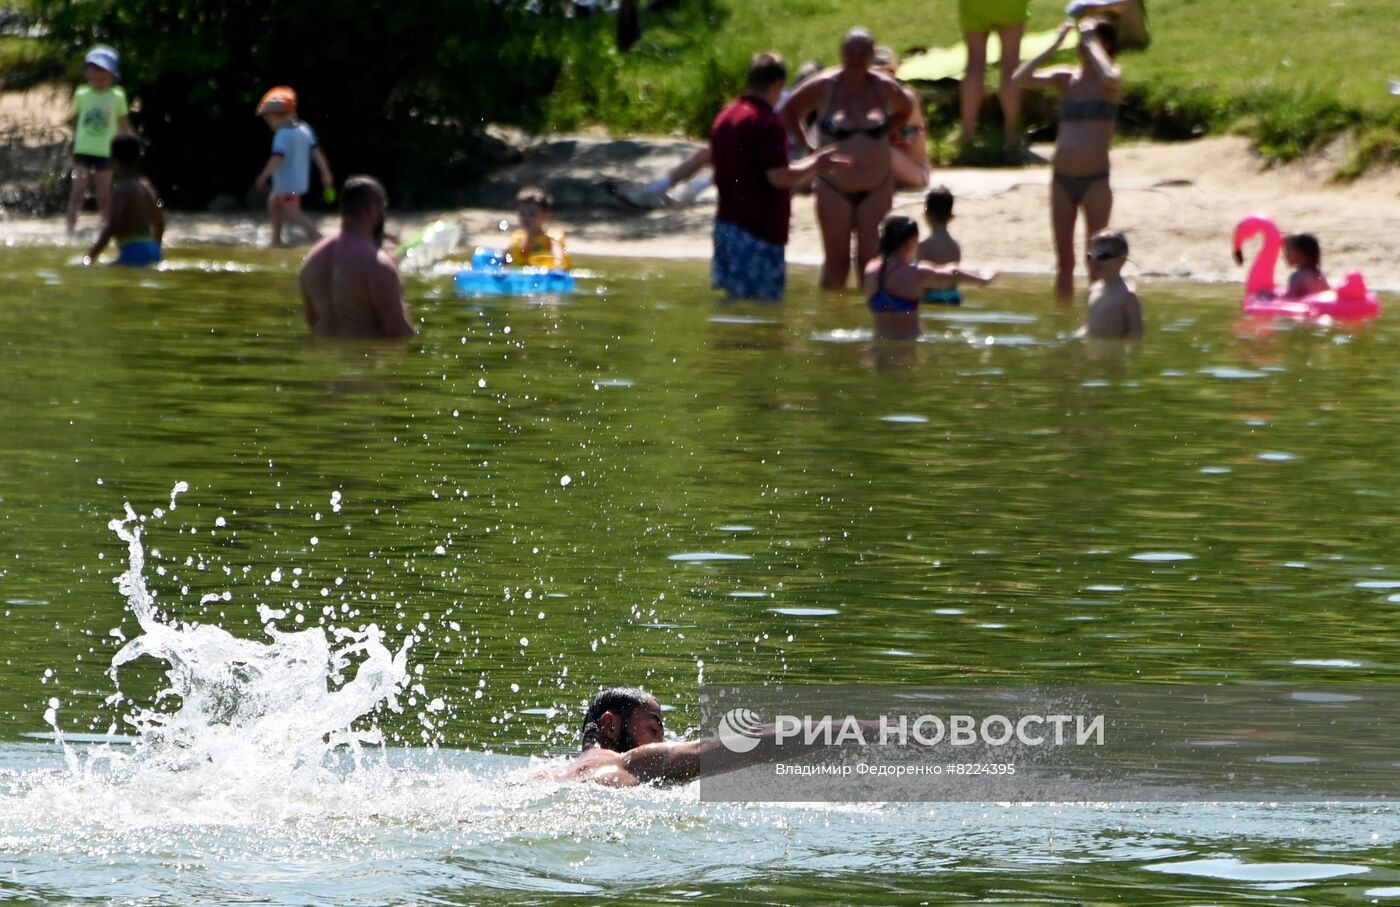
[1261, 274]
[1353, 286]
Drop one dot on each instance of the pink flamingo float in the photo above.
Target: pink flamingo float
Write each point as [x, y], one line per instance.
[1349, 302]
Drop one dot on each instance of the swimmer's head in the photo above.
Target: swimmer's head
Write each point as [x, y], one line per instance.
[126, 151]
[1104, 33]
[767, 73]
[1108, 251]
[938, 205]
[621, 719]
[534, 206]
[363, 203]
[857, 49]
[896, 232]
[1302, 250]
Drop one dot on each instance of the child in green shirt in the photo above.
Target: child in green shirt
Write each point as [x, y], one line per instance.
[99, 113]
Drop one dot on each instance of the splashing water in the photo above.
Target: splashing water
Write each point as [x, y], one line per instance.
[248, 709]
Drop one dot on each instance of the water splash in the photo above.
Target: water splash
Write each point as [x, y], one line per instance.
[245, 708]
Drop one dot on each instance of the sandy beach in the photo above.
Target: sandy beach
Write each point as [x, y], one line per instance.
[1178, 203]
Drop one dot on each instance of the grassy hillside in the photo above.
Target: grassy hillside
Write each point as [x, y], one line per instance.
[1293, 73]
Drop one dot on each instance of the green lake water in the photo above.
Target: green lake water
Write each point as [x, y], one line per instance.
[639, 485]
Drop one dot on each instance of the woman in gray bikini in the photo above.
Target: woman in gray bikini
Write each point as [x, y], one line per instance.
[858, 109]
[1089, 95]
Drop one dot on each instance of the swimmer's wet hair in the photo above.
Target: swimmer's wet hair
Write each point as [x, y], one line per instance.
[766, 70]
[1306, 245]
[895, 231]
[360, 193]
[1116, 241]
[534, 195]
[622, 702]
[126, 150]
[938, 204]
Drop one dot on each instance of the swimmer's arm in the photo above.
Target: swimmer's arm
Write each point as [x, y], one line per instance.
[273, 162]
[323, 167]
[931, 275]
[1098, 57]
[675, 763]
[795, 109]
[1026, 76]
[801, 170]
[116, 213]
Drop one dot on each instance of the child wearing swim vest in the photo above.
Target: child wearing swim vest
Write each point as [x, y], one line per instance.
[288, 168]
[533, 244]
[895, 281]
[99, 114]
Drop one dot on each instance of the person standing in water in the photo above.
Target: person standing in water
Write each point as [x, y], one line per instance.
[99, 115]
[134, 216]
[1089, 95]
[755, 180]
[1115, 312]
[350, 286]
[859, 109]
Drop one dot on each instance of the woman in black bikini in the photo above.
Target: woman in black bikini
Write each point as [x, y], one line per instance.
[859, 108]
[1089, 95]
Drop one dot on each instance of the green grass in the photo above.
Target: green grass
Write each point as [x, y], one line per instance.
[1291, 73]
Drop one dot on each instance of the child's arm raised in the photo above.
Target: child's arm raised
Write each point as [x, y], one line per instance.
[1026, 75]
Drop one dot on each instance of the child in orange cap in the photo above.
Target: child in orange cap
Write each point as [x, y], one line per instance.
[289, 168]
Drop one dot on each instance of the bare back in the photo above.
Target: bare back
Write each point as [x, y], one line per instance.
[136, 210]
[352, 289]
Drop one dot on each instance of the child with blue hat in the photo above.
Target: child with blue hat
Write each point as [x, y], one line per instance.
[99, 113]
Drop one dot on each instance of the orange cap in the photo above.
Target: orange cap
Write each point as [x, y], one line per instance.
[278, 100]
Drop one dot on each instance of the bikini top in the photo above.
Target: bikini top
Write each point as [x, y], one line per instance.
[1088, 110]
[885, 301]
[828, 126]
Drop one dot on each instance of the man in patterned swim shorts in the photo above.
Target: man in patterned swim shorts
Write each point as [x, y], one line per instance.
[754, 179]
[979, 18]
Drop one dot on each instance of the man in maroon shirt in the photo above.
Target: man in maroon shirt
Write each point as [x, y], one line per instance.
[748, 146]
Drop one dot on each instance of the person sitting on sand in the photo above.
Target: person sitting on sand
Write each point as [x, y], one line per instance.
[1302, 252]
[911, 161]
[1089, 96]
[533, 243]
[623, 745]
[895, 281]
[940, 248]
[134, 217]
[859, 108]
[350, 286]
[1115, 312]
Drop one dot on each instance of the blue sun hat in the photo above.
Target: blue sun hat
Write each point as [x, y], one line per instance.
[103, 57]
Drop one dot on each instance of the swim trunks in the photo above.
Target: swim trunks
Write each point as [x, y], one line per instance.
[983, 16]
[745, 266]
[138, 253]
[943, 296]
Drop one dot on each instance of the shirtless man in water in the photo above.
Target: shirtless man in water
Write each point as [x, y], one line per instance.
[134, 216]
[350, 285]
[624, 745]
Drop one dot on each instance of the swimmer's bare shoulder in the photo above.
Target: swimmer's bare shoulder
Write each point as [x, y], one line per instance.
[599, 766]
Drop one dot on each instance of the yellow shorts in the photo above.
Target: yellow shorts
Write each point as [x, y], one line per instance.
[982, 16]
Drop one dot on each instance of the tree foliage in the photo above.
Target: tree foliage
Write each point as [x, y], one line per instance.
[396, 88]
